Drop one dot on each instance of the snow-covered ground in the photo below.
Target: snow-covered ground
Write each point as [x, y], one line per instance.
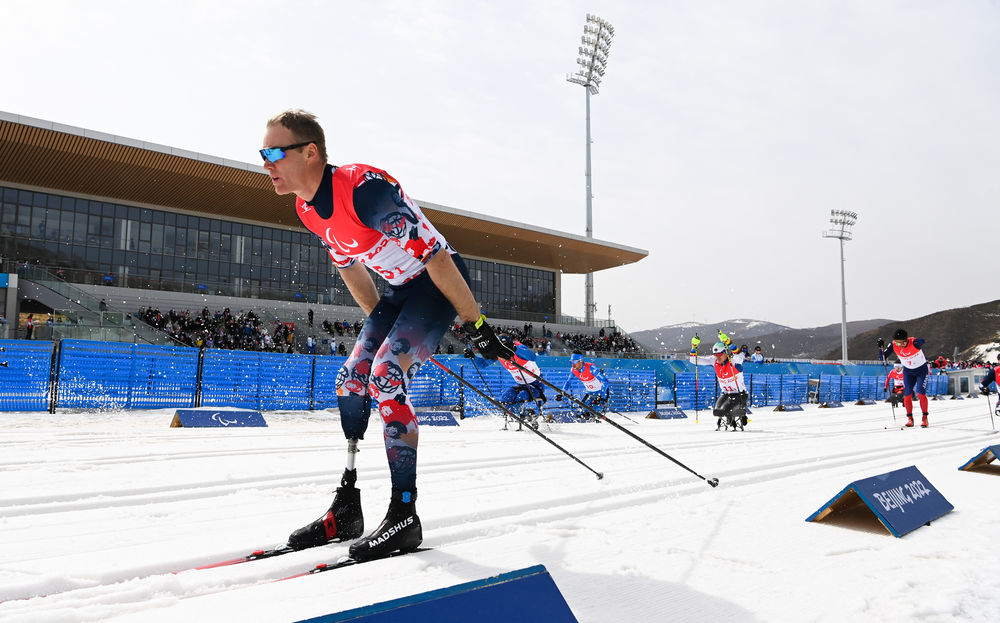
[97, 510]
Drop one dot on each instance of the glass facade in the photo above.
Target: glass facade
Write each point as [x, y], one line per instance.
[101, 242]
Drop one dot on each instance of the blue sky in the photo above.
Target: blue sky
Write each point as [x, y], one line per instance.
[724, 133]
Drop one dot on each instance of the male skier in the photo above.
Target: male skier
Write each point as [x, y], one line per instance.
[366, 222]
[915, 369]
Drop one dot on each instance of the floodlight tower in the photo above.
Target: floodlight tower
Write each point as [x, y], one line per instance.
[593, 59]
[842, 221]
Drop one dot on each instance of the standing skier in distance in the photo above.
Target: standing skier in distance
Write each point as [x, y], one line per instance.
[915, 369]
[364, 219]
[895, 378]
[731, 405]
[992, 376]
[595, 384]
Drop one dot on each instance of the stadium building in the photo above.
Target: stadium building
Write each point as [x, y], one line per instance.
[93, 221]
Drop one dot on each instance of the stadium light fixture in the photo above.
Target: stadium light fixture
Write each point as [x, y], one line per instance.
[593, 61]
[842, 221]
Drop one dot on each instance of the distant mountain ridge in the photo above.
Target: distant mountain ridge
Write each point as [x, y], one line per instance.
[775, 340]
[963, 333]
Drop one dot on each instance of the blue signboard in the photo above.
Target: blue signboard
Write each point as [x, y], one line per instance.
[227, 418]
[986, 455]
[902, 500]
[436, 418]
[667, 413]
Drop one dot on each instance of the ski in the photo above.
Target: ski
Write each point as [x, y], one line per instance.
[347, 561]
[257, 554]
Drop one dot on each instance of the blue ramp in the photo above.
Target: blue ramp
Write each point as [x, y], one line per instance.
[902, 500]
[986, 456]
[524, 595]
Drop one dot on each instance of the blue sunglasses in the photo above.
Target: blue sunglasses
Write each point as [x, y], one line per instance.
[274, 154]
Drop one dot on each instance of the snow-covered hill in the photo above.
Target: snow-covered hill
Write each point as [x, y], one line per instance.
[774, 340]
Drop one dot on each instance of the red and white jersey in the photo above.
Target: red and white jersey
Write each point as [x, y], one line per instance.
[730, 373]
[730, 377]
[520, 376]
[586, 376]
[909, 355]
[896, 378]
[393, 239]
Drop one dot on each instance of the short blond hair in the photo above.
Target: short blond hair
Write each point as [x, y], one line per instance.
[304, 127]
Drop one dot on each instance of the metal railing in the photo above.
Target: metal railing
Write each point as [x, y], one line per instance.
[119, 326]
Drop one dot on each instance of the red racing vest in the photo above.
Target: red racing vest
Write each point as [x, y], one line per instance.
[730, 379]
[591, 382]
[520, 376]
[911, 356]
[397, 254]
[896, 376]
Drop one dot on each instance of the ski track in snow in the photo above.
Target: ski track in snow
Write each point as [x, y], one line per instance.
[117, 543]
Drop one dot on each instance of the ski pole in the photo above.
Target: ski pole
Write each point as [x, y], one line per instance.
[990, 408]
[714, 482]
[623, 415]
[486, 385]
[512, 414]
[696, 382]
[892, 402]
[607, 405]
[482, 378]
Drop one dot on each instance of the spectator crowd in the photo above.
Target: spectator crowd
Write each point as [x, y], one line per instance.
[241, 331]
[602, 343]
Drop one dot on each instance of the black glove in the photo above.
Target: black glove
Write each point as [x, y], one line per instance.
[984, 391]
[485, 340]
[468, 353]
[559, 397]
[880, 342]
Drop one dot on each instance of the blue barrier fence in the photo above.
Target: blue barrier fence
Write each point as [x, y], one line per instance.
[764, 389]
[104, 375]
[115, 375]
[98, 375]
[853, 388]
[775, 389]
[25, 381]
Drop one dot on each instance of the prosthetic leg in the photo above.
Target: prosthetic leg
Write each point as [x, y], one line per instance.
[343, 521]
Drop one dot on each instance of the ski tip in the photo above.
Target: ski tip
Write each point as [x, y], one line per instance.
[714, 482]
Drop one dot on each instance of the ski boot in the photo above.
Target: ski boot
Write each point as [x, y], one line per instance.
[342, 522]
[399, 531]
[718, 424]
[909, 420]
[923, 422]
